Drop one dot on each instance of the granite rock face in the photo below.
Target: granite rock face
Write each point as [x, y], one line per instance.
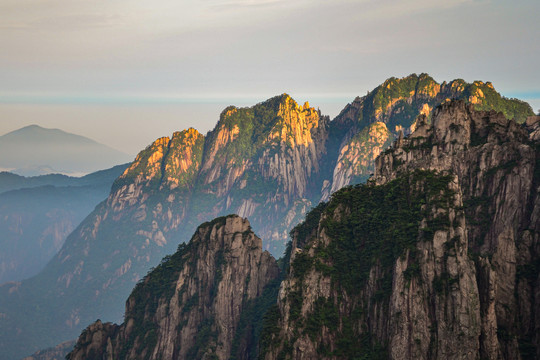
[496, 164]
[355, 161]
[451, 269]
[265, 163]
[190, 305]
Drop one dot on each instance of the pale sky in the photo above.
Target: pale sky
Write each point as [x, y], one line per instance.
[125, 72]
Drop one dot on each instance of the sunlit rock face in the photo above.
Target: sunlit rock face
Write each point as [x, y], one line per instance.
[265, 163]
[356, 158]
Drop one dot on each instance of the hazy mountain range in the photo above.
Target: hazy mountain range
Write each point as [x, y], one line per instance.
[37, 214]
[34, 150]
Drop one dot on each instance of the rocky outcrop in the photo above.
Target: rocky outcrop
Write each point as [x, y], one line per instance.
[357, 157]
[190, 305]
[165, 164]
[437, 257]
[397, 103]
[496, 164]
[260, 161]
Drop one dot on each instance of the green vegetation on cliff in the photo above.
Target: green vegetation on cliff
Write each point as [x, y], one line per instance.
[398, 101]
[380, 224]
[250, 127]
[369, 227]
[486, 98]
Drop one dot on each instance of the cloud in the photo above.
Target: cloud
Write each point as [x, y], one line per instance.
[77, 22]
[247, 4]
[82, 54]
[117, 46]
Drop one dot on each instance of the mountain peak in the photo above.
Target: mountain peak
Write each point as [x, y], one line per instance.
[278, 102]
[171, 162]
[455, 126]
[36, 147]
[397, 101]
[32, 127]
[35, 129]
[264, 134]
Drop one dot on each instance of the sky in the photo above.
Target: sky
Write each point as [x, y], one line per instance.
[127, 72]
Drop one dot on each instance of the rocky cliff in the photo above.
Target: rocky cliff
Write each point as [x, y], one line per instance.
[265, 163]
[437, 257]
[190, 306]
[396, 104]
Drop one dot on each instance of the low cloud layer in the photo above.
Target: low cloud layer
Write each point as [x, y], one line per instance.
[267, 46]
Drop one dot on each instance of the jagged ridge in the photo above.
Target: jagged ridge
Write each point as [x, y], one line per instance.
[396, 103]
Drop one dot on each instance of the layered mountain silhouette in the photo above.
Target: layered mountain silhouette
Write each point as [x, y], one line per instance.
[270, 163]
[38, 213]
[33, 150]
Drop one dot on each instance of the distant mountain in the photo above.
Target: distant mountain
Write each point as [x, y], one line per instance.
[10, 181]
[36, 219]
[33, 150]
[270, 163]
[58, 352]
